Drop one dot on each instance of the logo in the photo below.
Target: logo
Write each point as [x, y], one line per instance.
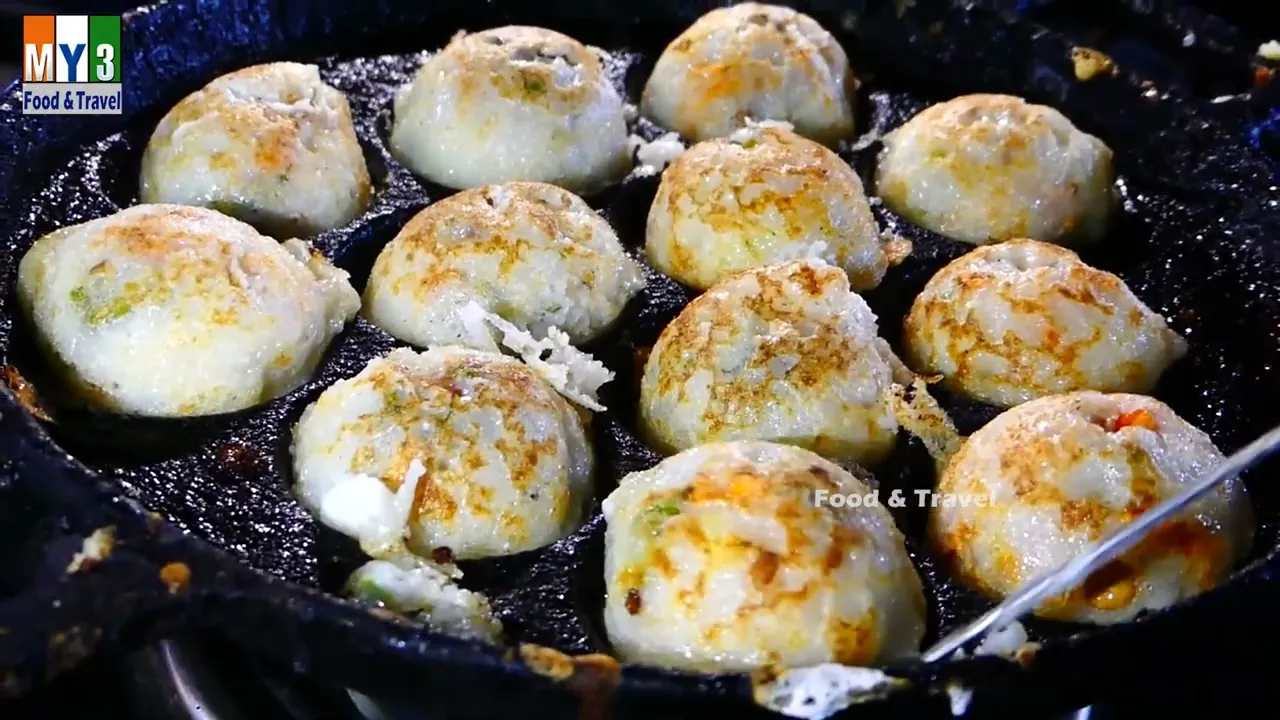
[71, 65]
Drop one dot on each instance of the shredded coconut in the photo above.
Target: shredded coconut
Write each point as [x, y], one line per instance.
[818, 692]
[413, 586]
[363, 507]
[574, 374]
[800, 251]
[752, 130]
[1005, 641]
[922, 416]
[653, 157]
[960, 698]
[96, 548]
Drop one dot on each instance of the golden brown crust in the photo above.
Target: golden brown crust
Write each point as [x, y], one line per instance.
[725, 72]
[818, 354]
[533, 78]
[949, 328]
[503, 384]
[274, 136]
[477, 227]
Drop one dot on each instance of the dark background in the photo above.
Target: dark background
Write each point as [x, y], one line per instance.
[1257, 17]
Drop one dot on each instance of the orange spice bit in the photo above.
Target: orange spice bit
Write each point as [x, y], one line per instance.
[1111, 587]
[896, 249]
[176, 576]
[746, 486]
[1262, 76]
[633, 601]
[1139, 418]
[742, 486]
[546, 661]
[25, 392]
[1089, 63]
[593, 678]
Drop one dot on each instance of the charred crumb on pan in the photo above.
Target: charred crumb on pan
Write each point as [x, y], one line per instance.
[69, 648]
[155, 522]
[593, 678]
[1026, 653]
[639, 357]
[94, 550]
[1089, 63]
[26, 393]
[12, 684]
[388, 614]
[558, 666]
[176, 576]
[239, 456]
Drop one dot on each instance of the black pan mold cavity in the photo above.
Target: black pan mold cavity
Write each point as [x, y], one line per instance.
[1197, 240]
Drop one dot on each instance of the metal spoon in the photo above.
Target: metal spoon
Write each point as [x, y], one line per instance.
[1119, 541]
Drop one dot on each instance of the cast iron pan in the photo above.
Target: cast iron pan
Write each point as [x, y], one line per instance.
[228, 548]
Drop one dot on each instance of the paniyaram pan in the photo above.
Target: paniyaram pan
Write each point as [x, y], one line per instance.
[208, 534]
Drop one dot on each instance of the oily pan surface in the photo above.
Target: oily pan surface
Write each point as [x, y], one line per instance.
[1197, 241]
